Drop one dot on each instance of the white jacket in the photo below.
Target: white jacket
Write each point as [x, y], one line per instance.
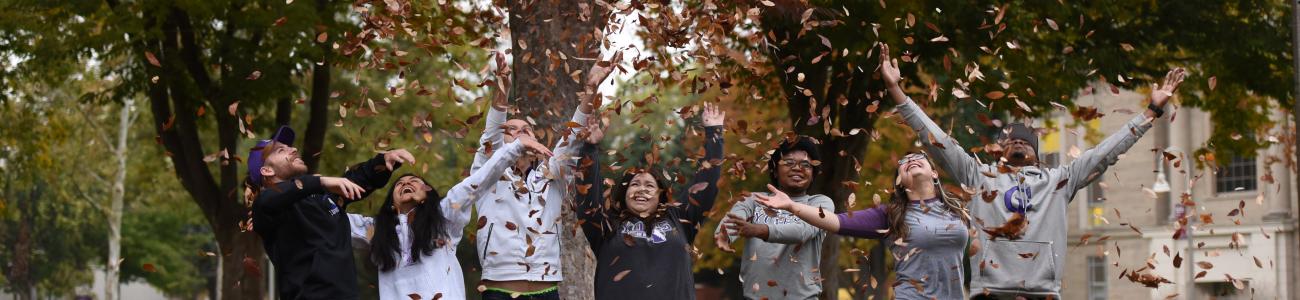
[438, 273]
[519, 236]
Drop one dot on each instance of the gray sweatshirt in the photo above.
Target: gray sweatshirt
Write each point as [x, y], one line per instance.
[1033, 265]
[790, 255]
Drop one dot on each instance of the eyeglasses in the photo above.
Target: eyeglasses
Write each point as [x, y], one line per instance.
[910, 158]
[790, 163]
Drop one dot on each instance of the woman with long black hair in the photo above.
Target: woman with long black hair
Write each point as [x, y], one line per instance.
[414, 240]
[926, 229]
[642, 237]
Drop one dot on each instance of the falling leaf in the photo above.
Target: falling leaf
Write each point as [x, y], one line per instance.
[1214, 81]
[322, 37]
[148, 267]
[254, 76]
[414, 296]
[1178, 260]
[251, 268]
[620, 275]
[1013, 229]
[995, 95]
[152, 59]
[1147, 279]
[1205, 265]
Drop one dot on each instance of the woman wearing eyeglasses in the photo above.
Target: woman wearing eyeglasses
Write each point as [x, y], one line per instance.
[926, 230]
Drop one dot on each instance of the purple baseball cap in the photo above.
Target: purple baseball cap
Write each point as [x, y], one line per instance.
[256, 159]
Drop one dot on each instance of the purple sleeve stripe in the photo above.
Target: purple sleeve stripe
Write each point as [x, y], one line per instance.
[867, 223]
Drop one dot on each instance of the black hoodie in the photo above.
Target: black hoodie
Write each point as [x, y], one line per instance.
[636, 262]
[308, 236]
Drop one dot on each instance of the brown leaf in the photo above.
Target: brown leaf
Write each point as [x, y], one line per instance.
[482, 221]
[995, 95]
[1063, 183]
[620, 275]
[512, 226]
[771, 283]
[1013, 229]
[415, 296]
[148, 267]
[153, 60]
[1205, 265]
[251, 268]
[1200, 274]
[1147, 279]
[1178, 260]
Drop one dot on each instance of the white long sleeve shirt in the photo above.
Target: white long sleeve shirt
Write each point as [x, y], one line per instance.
[439, 272]
[520, 239]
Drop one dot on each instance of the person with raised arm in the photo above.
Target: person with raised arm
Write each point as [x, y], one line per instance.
[642, 236]
[1025, 208]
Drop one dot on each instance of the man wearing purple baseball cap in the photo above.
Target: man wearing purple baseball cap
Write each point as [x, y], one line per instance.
[301, 217]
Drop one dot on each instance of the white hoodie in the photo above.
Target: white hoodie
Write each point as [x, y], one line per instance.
[519, 218]
[438, 273]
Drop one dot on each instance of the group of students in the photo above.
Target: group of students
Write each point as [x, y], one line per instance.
[641, 231]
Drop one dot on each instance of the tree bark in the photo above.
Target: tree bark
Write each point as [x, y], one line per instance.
[182, 71]
[827, 105]
[112, 289]
[544, 90]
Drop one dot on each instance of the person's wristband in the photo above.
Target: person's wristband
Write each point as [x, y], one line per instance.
[1156, 109]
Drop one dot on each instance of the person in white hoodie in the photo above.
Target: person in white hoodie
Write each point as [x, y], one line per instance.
[413, 241]
[518, 229]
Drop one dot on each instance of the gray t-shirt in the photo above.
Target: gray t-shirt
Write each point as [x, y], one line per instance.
[789, 257]
[928, 263]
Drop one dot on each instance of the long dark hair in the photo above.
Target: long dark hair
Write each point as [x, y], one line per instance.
[427, 228]
[898, 202]
[618, 207]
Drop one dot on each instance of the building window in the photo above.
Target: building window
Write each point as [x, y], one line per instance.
[1237, 175]
[1096, 203]
[1097, 277]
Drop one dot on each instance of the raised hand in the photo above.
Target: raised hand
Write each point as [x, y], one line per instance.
[397, 156]
[531, 143]
[342, 187]
[1161, 92]
[500, 93]
[778, 199]
[601, 70]
[713, 116]
[888, 68]
[594, 131]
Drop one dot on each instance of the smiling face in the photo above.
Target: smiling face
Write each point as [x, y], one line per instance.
[915, 169]
[1018, 152]
[642, 197]
[282, 162]
[409, 191]
[794, 172]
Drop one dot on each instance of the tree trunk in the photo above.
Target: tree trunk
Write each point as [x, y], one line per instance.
[112, 289]
[314, 141]
[174, 113]
[544, 89]
[827, 105]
